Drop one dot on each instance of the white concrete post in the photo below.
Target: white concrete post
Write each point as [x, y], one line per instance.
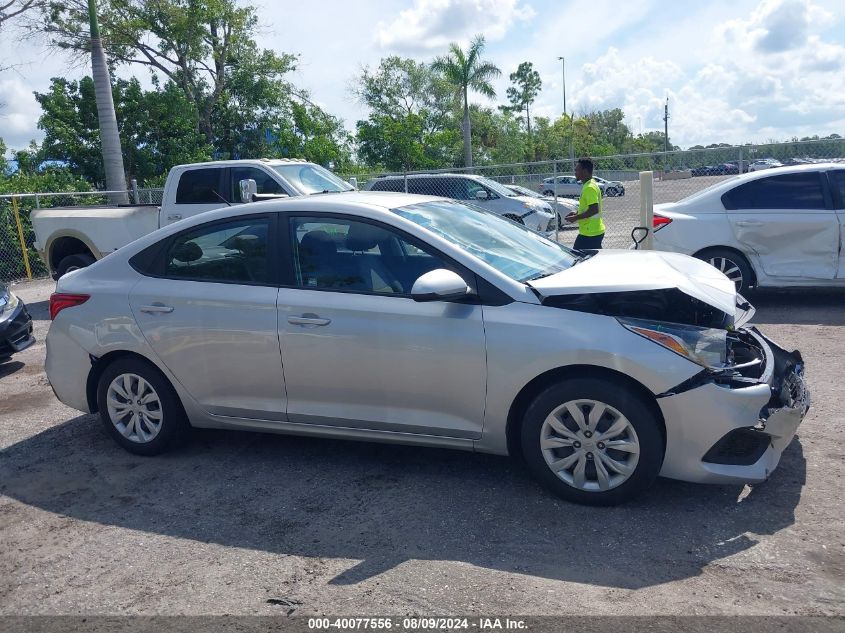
[647, 208]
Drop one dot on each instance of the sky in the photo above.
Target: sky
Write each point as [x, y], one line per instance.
[734, 71]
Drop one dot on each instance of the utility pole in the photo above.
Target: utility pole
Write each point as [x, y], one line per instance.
[563, 70]
[666, 126]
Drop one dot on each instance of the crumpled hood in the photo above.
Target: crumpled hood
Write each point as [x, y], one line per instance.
[622, 270]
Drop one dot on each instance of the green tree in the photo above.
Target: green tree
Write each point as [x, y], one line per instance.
[410, 125]
[466, 71]
[158, 131]
[205, 47]
[526, 86]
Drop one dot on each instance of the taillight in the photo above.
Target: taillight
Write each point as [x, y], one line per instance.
[61, 300]
[660, 221]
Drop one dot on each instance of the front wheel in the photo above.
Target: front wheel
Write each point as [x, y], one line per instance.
[139, 407]
[592, 442]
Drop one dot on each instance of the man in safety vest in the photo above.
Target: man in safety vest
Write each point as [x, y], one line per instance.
[590, 223]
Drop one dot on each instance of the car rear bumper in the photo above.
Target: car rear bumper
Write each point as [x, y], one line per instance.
[16, 332]
[67, 366]
[734, 432]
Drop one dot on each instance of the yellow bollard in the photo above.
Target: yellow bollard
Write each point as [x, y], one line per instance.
[20, 235]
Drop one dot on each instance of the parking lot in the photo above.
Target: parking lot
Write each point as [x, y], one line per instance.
[621, 214]
[243, 523]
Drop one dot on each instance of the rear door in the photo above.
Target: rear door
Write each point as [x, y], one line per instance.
[837, 183]
[207, 307]
[788, 222]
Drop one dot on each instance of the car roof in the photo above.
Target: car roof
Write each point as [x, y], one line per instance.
[248, 161]
[434, 175]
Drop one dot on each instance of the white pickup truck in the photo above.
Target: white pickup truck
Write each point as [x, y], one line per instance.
[74, 237]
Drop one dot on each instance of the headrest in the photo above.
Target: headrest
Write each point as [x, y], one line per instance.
[187, 252]
[318, 243]
[363, 237]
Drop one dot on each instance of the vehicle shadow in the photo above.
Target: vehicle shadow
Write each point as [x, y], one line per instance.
[384, 505]
[799, 306]
[9, 367]
[39, 310]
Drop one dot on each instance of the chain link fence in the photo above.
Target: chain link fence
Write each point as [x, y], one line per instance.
[515, 190]
[677, 174]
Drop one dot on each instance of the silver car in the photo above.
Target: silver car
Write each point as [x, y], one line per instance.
[419, 320]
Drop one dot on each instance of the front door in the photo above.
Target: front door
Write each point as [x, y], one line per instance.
[210, 316]
[359, 352]
[789, 223]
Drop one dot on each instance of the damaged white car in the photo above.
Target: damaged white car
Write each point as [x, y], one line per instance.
[418, 320]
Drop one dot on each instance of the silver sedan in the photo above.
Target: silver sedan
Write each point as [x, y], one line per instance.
[419, 320]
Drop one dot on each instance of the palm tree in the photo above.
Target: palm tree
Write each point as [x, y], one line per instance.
[465, 72]
[109, 137]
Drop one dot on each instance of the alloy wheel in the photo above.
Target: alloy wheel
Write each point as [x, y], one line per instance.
[589, 445]
[729, 268]
[134, 408]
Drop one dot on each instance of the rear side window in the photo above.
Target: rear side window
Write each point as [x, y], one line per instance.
[227, 252]
[784, 191]
[199, 186]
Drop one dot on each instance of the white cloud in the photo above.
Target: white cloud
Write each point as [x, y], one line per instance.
[776, 26]
[430, 25]
[19, 112]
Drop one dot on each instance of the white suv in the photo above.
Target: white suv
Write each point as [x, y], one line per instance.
[531, 212]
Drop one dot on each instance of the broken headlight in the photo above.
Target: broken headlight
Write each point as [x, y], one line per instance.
[704, 346]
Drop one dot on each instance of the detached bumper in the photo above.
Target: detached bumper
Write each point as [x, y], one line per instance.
[733, 430]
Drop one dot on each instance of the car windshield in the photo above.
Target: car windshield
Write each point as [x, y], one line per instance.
[310, 178]
[510, 248]
[516, 190]
[499, 188]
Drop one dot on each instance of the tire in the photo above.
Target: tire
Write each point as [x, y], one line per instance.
[549, 192]
[733, 264]
[612, 192]
[544, 444]
[73, 262]
[147, 435]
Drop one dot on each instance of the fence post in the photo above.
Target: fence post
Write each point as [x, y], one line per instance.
[557, 209]
[740, 160]
[20, 236]
[37, 202]
[647, 208]
[135, 195]
[405, 179]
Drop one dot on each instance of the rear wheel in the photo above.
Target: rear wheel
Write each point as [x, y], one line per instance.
[732, 264]
[73, 262]
[592, 442]
[140, 408]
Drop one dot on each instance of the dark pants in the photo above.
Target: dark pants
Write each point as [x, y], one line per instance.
[585, 243]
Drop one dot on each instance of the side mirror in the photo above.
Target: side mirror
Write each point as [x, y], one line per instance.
[248, 189]
[439, 285]
[481, 194]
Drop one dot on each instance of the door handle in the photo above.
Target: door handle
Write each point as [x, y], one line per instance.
[308, 319]
[749, 223]
[175, 216]
[157, 309]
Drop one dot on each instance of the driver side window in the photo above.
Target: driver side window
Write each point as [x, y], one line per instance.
[265, 183]
[347, 255]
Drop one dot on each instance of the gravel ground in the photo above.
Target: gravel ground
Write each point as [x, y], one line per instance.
[244, 523]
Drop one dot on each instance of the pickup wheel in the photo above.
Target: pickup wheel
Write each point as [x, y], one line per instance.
[73, 262]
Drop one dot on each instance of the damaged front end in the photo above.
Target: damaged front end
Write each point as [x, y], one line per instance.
[730, 422]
